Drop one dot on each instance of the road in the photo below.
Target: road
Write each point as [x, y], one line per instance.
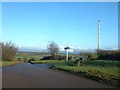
[25, 75]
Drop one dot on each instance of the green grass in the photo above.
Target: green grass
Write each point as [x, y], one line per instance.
[102, 63]
[6, 63]
[105, 66]
[100, 70]
[49, 62]
[105, 70]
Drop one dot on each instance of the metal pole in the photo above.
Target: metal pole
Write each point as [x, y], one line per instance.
[98, 34]
[98, 39]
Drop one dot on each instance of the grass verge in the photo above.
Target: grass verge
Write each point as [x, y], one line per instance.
[105, 71]
[6, 63]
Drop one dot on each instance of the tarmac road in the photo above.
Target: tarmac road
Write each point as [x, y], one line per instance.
[25, 75]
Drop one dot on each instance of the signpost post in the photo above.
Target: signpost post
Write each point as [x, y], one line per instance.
[67, 54]
[67, 50]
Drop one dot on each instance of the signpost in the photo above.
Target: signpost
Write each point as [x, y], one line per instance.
[68, 50]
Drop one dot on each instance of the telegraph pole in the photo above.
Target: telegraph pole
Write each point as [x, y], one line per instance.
[98, 38]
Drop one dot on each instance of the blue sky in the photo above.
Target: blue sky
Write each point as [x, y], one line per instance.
[68, 24]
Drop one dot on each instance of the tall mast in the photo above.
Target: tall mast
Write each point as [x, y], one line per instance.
[98, 34]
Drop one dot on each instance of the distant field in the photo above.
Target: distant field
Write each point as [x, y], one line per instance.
[35, 55]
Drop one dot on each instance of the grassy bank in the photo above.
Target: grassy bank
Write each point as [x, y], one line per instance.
[55, 62]
[6, 63]
[101, 70]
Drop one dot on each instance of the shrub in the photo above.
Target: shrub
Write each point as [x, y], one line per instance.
[25, 59]
[111, 55]
[58, 57]
[71, 63]
[19, 59]
[103, 63]
[46, 58]
[0, 51]
[93, 56]
[9, 50]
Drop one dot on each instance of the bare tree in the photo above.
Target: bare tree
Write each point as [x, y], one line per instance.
[53, 49]
[0, 51]
[9, 50]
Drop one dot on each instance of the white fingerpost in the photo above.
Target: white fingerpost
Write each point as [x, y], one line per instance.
[66, 48]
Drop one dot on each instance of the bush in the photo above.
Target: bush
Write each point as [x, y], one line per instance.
[46, 58]
[0, 51]
[71, 63]
[25, 59]
[103, 63]
[93, 56]
[58, 57]
[9, 50]
[111, 55]
[19, 59]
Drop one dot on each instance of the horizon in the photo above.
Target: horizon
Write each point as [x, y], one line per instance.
[68, 24]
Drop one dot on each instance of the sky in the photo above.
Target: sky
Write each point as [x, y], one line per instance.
[74, 24]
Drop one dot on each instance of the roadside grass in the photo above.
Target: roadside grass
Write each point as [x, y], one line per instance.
[105, 66]
[105, 70]
[100, 70]
[102, 63]
[55, 62]
[6, 63]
